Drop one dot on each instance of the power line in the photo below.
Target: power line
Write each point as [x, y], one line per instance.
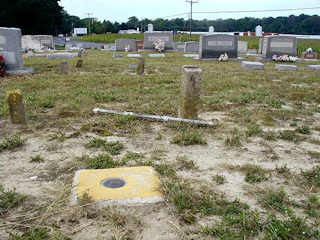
[269, 10]
[244, 11]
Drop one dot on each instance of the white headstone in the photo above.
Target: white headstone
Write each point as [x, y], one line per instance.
[258, 31]
[211, 30]
[150, 27]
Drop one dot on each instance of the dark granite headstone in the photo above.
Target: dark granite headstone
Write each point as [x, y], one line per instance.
[212, 46]
[279, 45]
[122, 43]
[151, 38]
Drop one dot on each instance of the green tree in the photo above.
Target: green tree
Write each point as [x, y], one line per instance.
[133, 23]
[32, 16]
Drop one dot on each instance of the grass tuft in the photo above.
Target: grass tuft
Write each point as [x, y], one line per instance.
[37, 159]
[312, 176]
[113, 148]
[187, 138]
[219, 179]
[98, 162]
[12, 142]
[254, 173]
[10, 199]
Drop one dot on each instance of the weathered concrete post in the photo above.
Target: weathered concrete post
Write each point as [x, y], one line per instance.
[79, 63]
[140, 64]
[64, 68]
[190, 92]
[16, 107]
[80, 53]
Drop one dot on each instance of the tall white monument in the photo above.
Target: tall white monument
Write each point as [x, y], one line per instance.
[150, 27]
[258, 31]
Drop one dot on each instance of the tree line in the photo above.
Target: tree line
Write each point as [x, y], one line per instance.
[48, 17]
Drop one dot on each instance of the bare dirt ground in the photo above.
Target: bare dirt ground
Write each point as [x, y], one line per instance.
[153, 221]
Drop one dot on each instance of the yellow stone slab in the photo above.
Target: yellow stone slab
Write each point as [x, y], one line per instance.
[142, 185]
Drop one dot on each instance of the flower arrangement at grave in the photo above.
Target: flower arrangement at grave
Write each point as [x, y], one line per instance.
[159, 46]
[2, 69]
[127, 48]
[223, 57]
[310, 50]
[284, 58]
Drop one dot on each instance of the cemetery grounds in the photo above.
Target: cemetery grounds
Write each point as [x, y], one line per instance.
[254, 175]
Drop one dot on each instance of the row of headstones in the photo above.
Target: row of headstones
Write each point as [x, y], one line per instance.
[212, 46]
[122, 44]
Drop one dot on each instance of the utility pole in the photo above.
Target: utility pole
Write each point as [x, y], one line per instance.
[191, 3]
[89, 14]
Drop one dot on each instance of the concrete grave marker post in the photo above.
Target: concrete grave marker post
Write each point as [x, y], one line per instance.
[190, 92]
[16, 107]
[79, 63]
[80, 53]
[64, 68]
[140, 64]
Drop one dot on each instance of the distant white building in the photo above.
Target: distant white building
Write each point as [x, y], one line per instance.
[129, 31]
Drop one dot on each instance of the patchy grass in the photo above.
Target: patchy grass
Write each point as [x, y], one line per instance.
[98, 162]
[12, 142]
[293, 228]
[9, 199]
[37, 159]
[274, 199]
[219, 179]
[312, 176]
[304, 130]
[187, 138]
[113, 148]
[184, 163]
[233, 141]
[291, 136]
[254, 173]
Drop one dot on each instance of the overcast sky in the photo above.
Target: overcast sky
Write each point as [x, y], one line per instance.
[121, 10]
